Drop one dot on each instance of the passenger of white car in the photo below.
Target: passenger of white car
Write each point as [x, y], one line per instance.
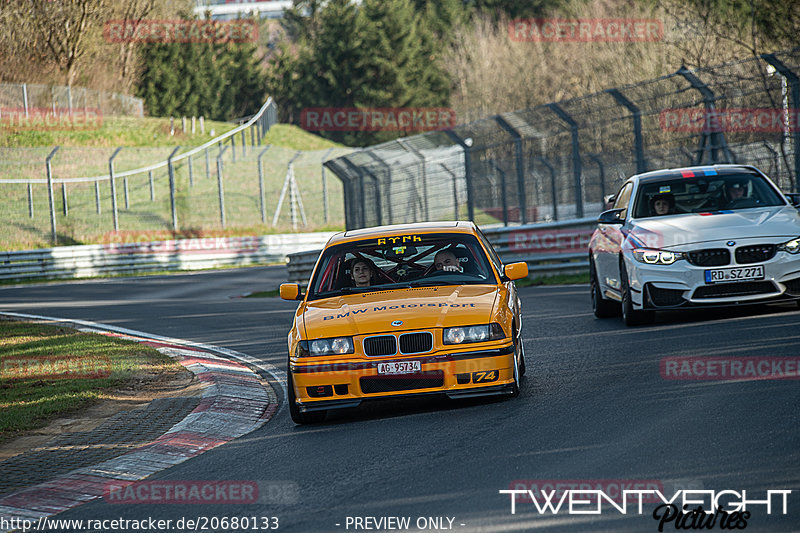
[662, 204]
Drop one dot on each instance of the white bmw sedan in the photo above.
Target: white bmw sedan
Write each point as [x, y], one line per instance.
[694, 237]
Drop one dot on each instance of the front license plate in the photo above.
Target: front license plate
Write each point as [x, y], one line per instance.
[399, 367]
[722, 275]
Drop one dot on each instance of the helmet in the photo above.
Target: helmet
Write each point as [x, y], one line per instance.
[736, 184]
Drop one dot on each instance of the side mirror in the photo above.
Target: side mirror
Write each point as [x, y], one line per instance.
[290, 291]
[611, 217]
[794, 198]
[516, 271]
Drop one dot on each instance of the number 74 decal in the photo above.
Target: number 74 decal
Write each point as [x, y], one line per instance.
[485, 376]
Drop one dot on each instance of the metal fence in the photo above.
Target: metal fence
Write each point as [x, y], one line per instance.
[26, 96]
[557, 161]
[67, 196]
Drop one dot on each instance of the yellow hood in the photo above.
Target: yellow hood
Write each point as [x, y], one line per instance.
[418, 308]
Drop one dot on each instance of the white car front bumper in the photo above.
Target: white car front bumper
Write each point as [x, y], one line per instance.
[683, 284]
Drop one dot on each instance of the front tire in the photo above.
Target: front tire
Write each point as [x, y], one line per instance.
[299, 417]
[517, 373]
[601, 307]
[631, 316]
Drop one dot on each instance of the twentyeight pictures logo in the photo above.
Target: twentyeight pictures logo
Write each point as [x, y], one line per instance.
[586, 30]
[377, 119]
[180, 31]
[683, 509]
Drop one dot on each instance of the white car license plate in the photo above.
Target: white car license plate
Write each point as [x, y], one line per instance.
[735, 274]
[399, 367]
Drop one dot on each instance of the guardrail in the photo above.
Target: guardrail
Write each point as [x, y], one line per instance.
[550, 248]
[173, 255]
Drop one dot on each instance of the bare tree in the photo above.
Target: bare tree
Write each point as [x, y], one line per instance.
[492, 72]
[134, 12]
[718, 31]
[56, 31]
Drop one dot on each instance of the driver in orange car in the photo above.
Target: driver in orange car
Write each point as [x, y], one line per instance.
[446, 261]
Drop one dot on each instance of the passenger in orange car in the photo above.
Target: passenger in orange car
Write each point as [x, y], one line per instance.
[361, 273]
[446, 261]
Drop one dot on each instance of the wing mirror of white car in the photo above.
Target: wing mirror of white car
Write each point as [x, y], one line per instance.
[611, 217]
[794, 198]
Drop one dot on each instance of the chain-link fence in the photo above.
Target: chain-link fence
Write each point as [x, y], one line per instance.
[557, 161]
[235, 181]
[26, 97]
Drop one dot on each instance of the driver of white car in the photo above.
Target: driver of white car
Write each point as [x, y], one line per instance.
[734, 190]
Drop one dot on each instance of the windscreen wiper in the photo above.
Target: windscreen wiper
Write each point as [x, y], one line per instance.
[352, 290]
[433, 283]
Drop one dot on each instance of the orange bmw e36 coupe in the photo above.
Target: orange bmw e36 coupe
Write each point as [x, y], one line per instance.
[404, 310]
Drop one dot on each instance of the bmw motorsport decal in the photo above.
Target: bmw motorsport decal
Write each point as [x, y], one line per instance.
[378, 308]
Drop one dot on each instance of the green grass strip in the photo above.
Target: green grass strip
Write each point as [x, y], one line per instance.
[47, 371]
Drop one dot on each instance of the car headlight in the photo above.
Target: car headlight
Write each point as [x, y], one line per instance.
[331, 346]
[467, 334]
[656, 257]
[793, 246]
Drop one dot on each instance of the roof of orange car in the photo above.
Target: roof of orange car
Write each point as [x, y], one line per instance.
[452, 226]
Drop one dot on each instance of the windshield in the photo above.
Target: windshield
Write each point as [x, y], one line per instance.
[699, 194]
[381, 263]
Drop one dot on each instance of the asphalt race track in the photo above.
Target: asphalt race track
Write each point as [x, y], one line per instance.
[594, 408]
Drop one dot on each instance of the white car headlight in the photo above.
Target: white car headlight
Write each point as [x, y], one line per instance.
[793, 246]
[466, 334]
[332, 346]
[652, 256]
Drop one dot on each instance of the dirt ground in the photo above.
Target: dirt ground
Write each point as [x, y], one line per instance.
[137, 394]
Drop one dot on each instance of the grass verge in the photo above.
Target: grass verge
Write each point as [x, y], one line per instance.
[117, 131]
[289, 136]
[48, 371]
